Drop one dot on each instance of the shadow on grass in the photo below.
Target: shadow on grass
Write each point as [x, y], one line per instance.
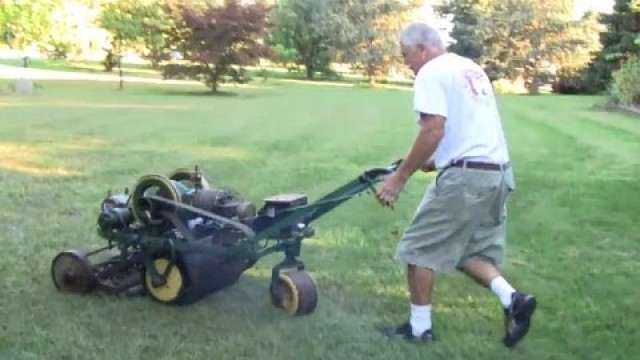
[230, 92]
[197, 93]
[610, 106]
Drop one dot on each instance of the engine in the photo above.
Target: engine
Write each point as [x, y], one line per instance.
[181, 218]
[155, 196]
[222, 202]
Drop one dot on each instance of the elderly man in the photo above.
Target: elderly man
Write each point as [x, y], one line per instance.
[460, 222]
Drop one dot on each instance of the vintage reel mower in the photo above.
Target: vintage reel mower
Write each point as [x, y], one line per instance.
[177, 239]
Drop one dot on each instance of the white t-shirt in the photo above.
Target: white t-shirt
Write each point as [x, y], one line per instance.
[458, 89]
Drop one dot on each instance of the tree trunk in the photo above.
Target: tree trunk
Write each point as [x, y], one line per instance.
[372, 80]
[214, 81]
[536, 78]
[371, 74]
[310, 71]
[155, 60]
[534, 88]
[214, 84]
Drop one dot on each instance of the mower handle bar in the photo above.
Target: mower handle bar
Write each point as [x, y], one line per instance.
[376, 174]
[308, 213]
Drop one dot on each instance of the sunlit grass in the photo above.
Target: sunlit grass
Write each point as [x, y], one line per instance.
[573, 233]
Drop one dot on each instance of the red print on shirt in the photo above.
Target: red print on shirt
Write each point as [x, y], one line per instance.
[475, 81]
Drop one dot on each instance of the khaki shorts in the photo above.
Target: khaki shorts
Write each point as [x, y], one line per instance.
[462, 214]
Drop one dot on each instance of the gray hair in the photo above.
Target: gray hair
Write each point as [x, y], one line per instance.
[418, 33]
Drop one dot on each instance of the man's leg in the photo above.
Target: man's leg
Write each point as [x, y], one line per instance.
[432, 243]
[483, 256]
[420, 282]
[485, 253]
[518, 306]
[419, 326]
[487, 275]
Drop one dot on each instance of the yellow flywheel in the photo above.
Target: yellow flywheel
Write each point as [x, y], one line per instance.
[172, 289]
[151, 184]
[190, 175]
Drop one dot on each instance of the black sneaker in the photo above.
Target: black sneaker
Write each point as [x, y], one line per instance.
[405, 331]
[518, 318]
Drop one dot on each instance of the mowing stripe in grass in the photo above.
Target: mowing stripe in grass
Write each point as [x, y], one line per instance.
[573, 236]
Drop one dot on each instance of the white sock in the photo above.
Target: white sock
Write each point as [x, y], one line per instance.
[503, 290]
[420, 318]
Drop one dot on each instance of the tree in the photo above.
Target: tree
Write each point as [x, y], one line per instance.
[619, 42]
[635, 8]
[120, 19]
[467, 15]
[573, 64]
[153, 30]
[528, 40]
[177, 33]
[220, 36]
[625, 85]
[135, 24]
[67, 19]
[532, 41]
[372, 45]
[623, 29]
[313, 28]
[25, 22]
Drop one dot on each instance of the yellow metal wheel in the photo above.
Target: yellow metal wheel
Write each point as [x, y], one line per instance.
[169, 292]
[190, 175]
[151, 184]
[295, 292]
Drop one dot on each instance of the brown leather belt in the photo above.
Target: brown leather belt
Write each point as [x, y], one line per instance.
[480, 165]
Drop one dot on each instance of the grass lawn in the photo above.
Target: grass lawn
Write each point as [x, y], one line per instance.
[573, 229]
[146, 71]
[94, 67]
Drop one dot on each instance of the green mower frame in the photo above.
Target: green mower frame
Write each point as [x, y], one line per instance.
[179, 239]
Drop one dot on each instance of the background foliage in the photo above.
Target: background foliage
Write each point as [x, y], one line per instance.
[531, 44]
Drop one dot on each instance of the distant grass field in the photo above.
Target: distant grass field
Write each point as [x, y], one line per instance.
[83, 66]
[257, 73]
[573, 230]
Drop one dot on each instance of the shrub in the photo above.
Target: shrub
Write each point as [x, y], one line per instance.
[183, 71]
[596, 77]
[625, 87]
[110, 61]
[199, 72]
[571, 81]
[285, 57]
[508, 87]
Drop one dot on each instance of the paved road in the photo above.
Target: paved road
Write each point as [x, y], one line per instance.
[12, 73]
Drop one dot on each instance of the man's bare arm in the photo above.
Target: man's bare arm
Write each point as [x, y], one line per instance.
[429, 166]
[425, 144]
